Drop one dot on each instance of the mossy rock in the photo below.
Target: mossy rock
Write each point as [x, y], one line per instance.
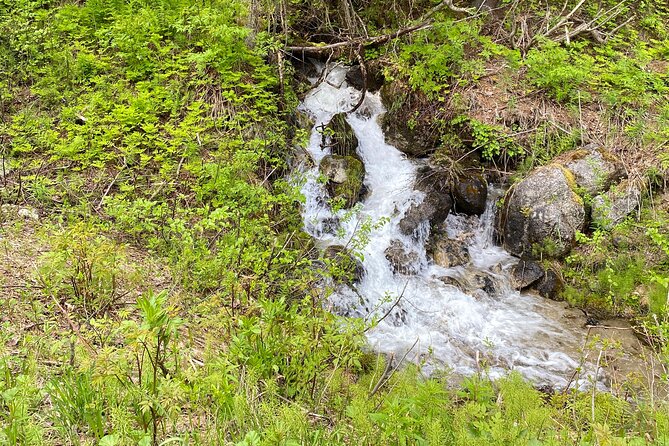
[542, 214]
[346, 175]
[594, 168]
[349, 270]
[407, 124]
[339, 136]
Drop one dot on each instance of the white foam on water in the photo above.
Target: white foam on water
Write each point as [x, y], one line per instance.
[442, 325]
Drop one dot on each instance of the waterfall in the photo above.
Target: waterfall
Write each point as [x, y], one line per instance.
[427, 317]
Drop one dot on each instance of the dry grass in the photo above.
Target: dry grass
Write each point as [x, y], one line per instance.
[500, 98]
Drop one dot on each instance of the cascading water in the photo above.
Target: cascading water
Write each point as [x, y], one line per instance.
[435, 322]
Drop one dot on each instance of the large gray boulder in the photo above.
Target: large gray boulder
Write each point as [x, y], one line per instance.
[542, 213]
[594, 168]
[345, 176]
[612, 207]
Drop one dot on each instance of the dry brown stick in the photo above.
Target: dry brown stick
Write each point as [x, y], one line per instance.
[363, 73]
[390, 375]
[367, 42]
[392, 307]
[104, 195]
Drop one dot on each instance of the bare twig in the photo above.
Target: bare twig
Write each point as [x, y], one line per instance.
[390, 375]
[366, 42]
[392, 307]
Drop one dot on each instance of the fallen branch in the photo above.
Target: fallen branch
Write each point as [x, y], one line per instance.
[386, 376]
[367, 42]
[449, 4]
[363, 73]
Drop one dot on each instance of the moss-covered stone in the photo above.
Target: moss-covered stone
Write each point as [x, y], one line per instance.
[339, 136]
[407, 123]
[594, 169]
[346, 175]
[542, 213]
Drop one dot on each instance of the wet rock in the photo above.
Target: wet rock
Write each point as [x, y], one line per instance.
[330, 225]
[470, 193]
[541, 214]
[484, 282]
[345, 175]
[434, 208]
[436, 205]
[612, 207]
[452, 281]
[594, 168]
[447, 252]
[402, 260]
[351, 267]
[551, 285]
[374, 79]
[526, 273]
[473, 283]
[403, 124]
[339, 136]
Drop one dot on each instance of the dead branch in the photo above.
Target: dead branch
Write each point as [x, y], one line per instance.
[363, 73]
[565, 26]
[367, 42]
[449, 4]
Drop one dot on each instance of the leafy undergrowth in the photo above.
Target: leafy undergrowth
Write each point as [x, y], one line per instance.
[193, 369]
[156, 284]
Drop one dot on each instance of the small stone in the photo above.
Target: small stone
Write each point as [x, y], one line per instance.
[28, 214]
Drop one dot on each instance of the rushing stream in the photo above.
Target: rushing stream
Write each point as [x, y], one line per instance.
[435, 322]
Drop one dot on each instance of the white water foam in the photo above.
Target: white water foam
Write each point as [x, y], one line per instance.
[438, 324]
